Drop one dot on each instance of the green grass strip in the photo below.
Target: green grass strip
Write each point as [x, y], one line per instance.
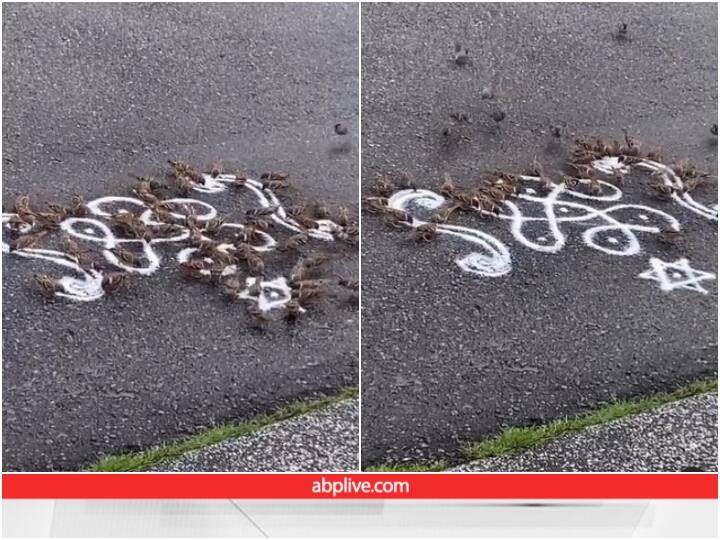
[514, 440]
[430, 466]
[143, 460]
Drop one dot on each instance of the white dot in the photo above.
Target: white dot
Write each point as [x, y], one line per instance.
[644, 217]
[612, 240]
[273, 295]
[563, 209]
[530, 190]
[89, 230]
[676, 275]
[541, 239]
[122, 211]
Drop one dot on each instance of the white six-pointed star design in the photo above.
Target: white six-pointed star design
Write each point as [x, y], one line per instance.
[676, 275]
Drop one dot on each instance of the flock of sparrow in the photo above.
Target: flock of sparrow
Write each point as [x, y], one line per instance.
[223, 256]
[488, 194]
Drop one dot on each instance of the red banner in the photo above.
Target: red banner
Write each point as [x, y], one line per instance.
[360, 486]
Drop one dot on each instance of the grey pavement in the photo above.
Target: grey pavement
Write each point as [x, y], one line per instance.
[680, 436]
[95, 92]
[450, 357]
[325, 441]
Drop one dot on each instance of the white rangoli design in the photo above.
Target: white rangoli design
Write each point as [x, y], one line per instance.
[86, 283]
[676, 275]
[613, 229]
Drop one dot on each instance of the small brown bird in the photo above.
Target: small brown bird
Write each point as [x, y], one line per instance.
[295, 242]
[23, 210]
[316, 260]
[253, 261]
[320, 210]
[240, 179]
[582, 170]
[684, 169]
[306, 267]
[632, 147]
[352, 284]
[184, 185]
[187, 171]
[670, 236]
[375, 205]
[691, 184]
[195, 270]
[216, 169]
[340, 129]
[293, 310]
[584, 143]
[16, 224]
[259, 319]
[443, 215]
[114, 282]
[58, 209]
[48, 285]
[28, 241]
[275, 184]
[535, 169]
[306, 222]
[655, 154]
[348, 235]
[545, 185]
[73, 249]
[261, 212]
[216, 251]
[50, 220]
[259, 223]
[70, 246]
[232, 286]
[406, 180]
[78, 207]
[447, 187]
[594, 187]
[144, 191]
[383, 187]
[275, 176]
[296, 210]
[424, 233]
[167, 229]
[213, 226]
[299, 273]
[307, 294]
[341, 216]
[125, 256]
[569, 182]
[128, 224]
[662, 191]
[250, 235]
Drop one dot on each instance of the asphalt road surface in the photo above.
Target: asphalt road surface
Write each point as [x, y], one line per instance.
[95, 92]
[451, 357]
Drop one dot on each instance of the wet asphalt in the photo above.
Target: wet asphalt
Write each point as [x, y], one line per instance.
[95, 92]
[450, 357]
